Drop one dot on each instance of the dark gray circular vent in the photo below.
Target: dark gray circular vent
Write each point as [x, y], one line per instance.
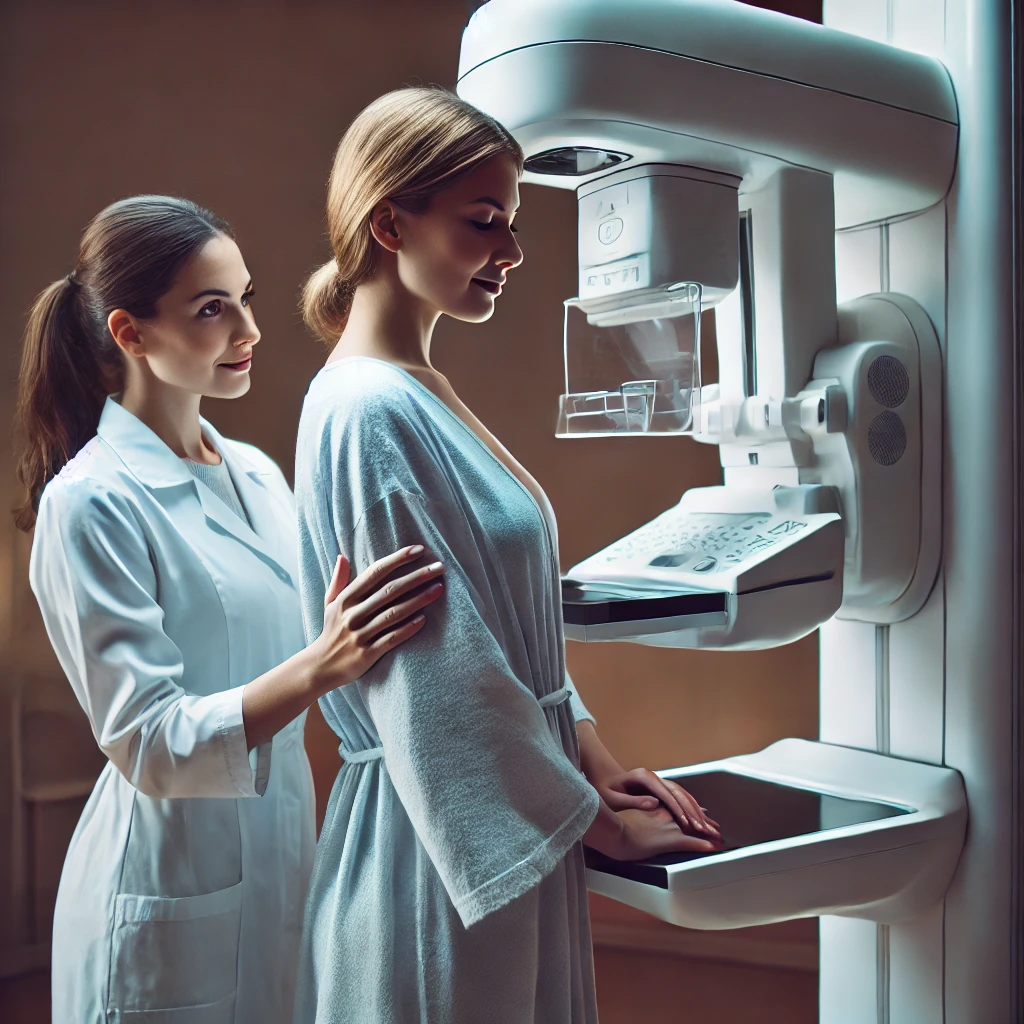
[887, 438]
[573, 160]
[888, 381]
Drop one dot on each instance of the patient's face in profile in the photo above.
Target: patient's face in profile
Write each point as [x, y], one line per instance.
[455, 255]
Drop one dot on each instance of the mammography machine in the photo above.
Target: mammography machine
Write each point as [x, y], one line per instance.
[815, 187]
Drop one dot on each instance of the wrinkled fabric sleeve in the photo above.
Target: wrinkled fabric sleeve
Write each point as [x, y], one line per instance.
[490, 792]
[93, 577]
[579, 709]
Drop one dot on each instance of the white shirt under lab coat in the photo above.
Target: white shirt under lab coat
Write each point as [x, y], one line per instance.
[183, 888]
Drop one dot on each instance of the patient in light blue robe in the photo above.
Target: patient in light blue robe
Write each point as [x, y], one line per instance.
[449, 881]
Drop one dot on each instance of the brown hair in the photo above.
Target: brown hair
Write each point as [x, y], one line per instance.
[405, 146]
[128, 259]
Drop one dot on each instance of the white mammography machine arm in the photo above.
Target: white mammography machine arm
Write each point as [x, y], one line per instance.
[819, 414]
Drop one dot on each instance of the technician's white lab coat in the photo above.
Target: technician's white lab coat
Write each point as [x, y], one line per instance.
[182, 894]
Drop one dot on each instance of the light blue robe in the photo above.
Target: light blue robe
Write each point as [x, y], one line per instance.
[448, 884]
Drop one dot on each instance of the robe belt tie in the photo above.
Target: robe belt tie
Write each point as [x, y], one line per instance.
[376, 753]
[554, 699]
[360, 756]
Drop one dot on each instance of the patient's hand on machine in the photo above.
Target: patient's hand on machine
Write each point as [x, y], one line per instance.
[656, 809]
[634, 834]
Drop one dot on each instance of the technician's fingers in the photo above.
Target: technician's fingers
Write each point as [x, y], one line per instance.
[389, 641]
[339, 580]
[388, 620]
[371, 577]
[391, 591]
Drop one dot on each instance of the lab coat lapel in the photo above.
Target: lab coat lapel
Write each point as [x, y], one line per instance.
[252, 484]
[224, 520]
[159, 469]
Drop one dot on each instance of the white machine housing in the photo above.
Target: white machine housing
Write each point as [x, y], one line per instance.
[732, 191]
[629, 243]
[829, 132]
[698, 84]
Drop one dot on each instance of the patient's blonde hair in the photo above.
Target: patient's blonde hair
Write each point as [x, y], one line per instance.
[405, 147]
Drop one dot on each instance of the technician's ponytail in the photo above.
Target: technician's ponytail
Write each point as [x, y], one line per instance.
[129, 256]
[62, 388]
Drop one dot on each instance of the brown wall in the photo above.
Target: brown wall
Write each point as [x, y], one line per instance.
[239, 105]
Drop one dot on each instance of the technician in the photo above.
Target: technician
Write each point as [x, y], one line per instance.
[164, 563]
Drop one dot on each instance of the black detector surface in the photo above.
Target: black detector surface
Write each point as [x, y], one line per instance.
[589, 604]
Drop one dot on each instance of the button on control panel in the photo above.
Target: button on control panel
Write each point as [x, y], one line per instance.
[609, 230]
[616, 276]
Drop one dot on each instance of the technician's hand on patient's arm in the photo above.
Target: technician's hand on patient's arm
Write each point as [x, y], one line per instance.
[363, 620]
[639, 789]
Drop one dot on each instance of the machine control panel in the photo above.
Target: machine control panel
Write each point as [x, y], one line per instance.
[701, 542]
[775, 556]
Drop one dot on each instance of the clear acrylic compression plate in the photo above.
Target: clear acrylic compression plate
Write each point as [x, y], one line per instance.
[632, 378]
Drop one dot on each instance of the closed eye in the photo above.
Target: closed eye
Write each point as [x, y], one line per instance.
[486, 225]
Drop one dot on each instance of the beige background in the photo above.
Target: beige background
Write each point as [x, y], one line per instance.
[239, 106]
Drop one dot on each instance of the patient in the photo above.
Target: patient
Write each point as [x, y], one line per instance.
[449, 881]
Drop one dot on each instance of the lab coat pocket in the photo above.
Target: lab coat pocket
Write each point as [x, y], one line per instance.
[220, 1012]
[176, 959]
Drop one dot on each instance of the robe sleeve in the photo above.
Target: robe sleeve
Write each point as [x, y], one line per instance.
[492, 795]
[579, 709]
[92, 575]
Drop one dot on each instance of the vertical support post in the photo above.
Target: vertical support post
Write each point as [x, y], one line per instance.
[900, 967]
[852, 989]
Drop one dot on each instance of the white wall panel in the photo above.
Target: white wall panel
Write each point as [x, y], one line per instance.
[917, 685]
[915, 969]
[847, 657]
[919, 25]
[848, 984]
[869, 18]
